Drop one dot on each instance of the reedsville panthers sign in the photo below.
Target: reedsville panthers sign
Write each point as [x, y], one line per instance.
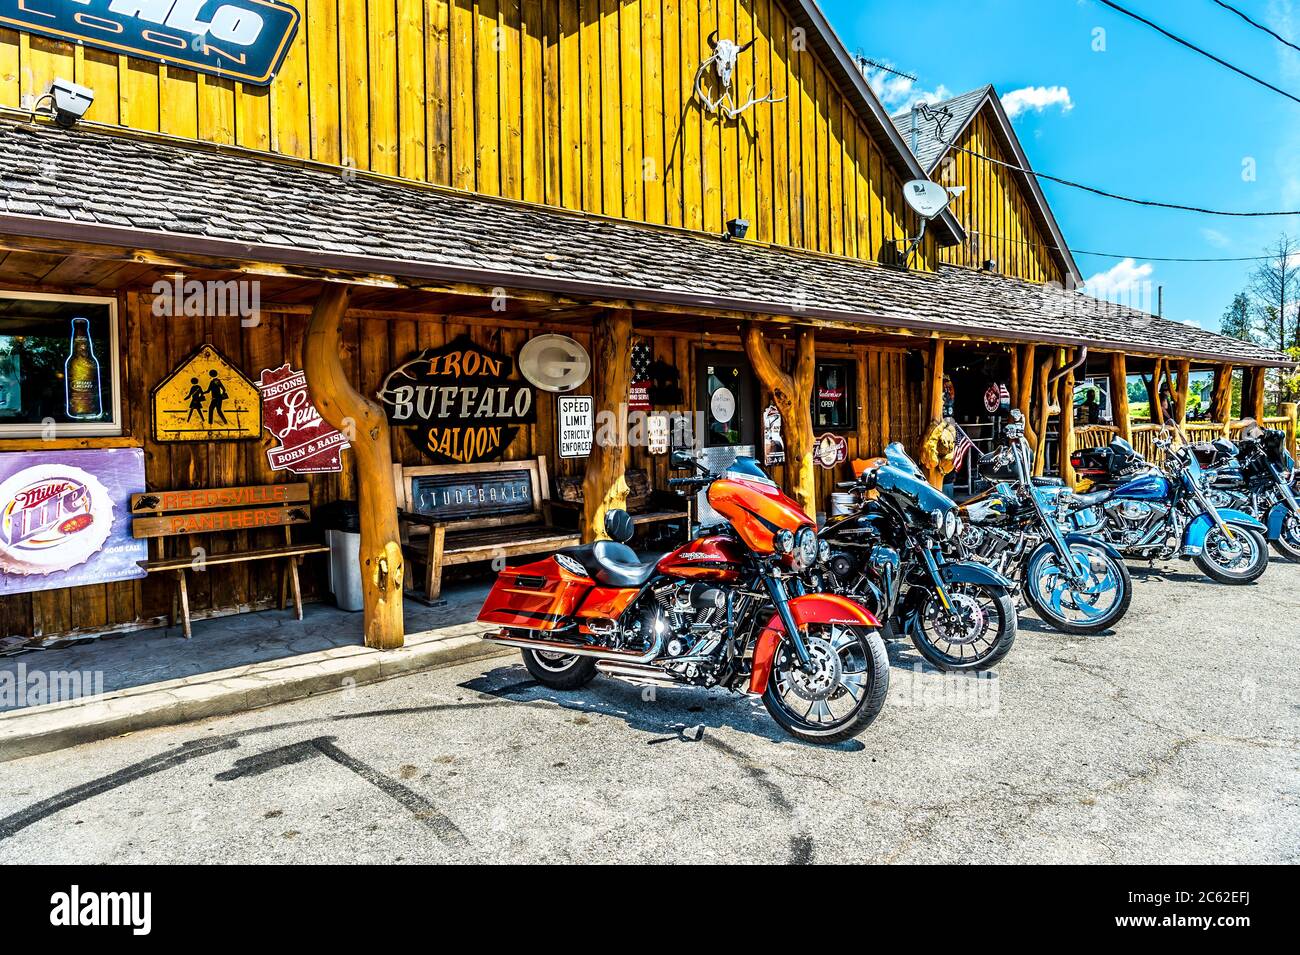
[244, 40]
[461, 401]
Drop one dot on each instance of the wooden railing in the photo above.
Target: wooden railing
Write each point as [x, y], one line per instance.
[1093, 435]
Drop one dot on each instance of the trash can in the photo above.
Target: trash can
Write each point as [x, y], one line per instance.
[341, 521]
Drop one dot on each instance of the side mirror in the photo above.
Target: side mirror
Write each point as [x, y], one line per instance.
[682, 460]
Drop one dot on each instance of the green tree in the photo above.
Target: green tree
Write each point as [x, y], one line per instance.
[1236, 321]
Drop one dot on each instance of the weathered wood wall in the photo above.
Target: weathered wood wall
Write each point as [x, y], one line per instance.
[996, 210]
[585, 104]
[151, 348]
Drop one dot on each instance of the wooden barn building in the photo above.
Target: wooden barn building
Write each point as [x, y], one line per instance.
[379, 204]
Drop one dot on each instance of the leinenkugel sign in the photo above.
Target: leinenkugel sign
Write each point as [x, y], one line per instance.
[460, 399]
[243, 40]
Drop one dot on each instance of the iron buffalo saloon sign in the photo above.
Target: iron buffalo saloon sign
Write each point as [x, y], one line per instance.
[243, 40]
[461, 401]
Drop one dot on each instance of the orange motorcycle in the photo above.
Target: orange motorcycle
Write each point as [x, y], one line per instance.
[728, 609]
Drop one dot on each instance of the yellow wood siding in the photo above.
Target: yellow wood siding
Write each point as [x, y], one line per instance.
[585, 104]
[996, 210]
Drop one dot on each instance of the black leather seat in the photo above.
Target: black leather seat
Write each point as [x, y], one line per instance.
[614, 564]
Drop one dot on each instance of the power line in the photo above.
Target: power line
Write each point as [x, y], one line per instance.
[1258, 26]
[1118, 255]
[1150, 258]
[1206, 53]
[1113, 195]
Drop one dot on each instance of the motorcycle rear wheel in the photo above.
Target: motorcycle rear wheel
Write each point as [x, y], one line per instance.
[1042, 567]
[559, 671]
[1245, 567]
[946, 652]
[842, 697]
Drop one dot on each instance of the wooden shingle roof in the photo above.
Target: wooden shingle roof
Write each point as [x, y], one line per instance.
[126, 191]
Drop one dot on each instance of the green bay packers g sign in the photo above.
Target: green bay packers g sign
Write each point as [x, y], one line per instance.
[244, 40]
[460, 400]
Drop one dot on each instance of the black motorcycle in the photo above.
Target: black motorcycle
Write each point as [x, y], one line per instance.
[1255, 475]
[889, 555]
[1074, 582]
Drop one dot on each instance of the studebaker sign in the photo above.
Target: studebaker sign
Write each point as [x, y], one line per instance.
[244, 40]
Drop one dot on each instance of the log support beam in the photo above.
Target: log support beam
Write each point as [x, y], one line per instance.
[1252, 394]
[1065, 444]
[1119, 395]
[934, 402]
[1024, 394]
[605, 486]
[364, 423]
[1221, 397]
[792, 395]
[1182, 390]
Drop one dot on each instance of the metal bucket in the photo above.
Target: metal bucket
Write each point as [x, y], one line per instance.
[843, 502]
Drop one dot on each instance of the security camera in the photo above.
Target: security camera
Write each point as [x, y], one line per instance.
[69, 101]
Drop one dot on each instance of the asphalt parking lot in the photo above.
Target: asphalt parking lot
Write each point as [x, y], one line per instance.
[1174, 739]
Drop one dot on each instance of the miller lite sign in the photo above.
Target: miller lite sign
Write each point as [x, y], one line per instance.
[64, 519]
[244, 40]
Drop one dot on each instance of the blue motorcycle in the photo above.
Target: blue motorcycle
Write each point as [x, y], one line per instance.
[1155, 514]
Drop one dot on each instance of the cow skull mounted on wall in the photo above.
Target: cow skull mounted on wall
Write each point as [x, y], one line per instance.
[723, 60]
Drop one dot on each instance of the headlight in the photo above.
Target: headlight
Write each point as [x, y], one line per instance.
[951, 524]
[824, 552]
[783, 542]
[805, 549]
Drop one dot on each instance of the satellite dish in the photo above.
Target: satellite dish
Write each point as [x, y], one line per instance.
[927, 198]
[554, 363]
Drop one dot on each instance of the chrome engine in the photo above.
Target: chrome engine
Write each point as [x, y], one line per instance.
[995, 546]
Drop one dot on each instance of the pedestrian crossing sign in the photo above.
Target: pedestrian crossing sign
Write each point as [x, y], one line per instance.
[206, 399]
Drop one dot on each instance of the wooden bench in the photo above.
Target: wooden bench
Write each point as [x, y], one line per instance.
[157, 515]
[459, 513]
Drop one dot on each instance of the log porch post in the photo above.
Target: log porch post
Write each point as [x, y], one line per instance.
[364, 423]
[1065, 444]
[792, 395]
[1254, 407]
[1288, 410]
[1044, 401]
[1182, 390]
[1024, 397]
[934, 403]
[605, 486]
[1221, 397]
[1119, 395]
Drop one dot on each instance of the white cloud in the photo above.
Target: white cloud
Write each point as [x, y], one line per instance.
[1215, 238]
[900, 93]
[1037, 98]
[1124, 282]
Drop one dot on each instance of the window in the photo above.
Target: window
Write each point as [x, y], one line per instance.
[834, 396]
[58, 365]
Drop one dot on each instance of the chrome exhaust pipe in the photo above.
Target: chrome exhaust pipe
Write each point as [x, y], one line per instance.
[506, 637]
[636, 674]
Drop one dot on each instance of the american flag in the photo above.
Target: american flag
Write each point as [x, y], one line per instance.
[962, 448]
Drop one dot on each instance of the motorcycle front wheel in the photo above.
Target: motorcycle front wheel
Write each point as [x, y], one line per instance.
[1288, 541]
[1094, 605]
[1237, 561]
[974, 634]
[844, 692]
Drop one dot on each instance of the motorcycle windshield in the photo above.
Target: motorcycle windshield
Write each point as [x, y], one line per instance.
[905, 487]
[897, 457]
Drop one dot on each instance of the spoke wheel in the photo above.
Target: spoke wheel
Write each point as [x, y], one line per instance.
[1238, 559]
[1091, 606]
[840, 694]
[559, 670]
[973, 634]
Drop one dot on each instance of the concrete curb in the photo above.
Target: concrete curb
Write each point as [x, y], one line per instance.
[54, 726]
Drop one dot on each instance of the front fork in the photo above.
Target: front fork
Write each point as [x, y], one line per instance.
[932, 565]
[781, 601]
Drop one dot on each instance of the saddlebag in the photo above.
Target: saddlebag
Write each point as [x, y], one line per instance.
[538, 596]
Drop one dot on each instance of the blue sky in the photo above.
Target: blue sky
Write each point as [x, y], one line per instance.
[1145, 117]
